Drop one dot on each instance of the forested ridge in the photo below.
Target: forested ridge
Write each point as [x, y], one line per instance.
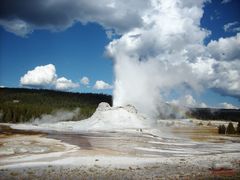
[21, 105]
[214, 114]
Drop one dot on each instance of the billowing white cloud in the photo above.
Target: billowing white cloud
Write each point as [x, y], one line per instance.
[221, 76]
[58, 15]
[40, 76]
[222, 72]
[65, 84]
[85, 80]
[226, 78]
[227, 106]
[102, 85]
[227, 49]
[46, 77]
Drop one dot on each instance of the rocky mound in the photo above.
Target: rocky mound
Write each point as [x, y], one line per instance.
[107, 118]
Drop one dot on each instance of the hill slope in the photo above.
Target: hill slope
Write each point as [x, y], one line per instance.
[20, 105]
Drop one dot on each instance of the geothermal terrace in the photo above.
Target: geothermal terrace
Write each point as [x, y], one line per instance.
[117, 143]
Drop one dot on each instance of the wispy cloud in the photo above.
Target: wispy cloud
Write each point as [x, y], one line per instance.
[225, 1]
[232, 27]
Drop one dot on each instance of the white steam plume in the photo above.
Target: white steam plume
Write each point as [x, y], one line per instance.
[157, 57]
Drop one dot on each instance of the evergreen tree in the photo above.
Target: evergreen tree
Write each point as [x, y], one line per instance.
[238, 128]
[8, 116]
[230, 129]
[221, 129]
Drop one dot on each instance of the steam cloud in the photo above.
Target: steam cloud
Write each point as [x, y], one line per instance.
[152, 60]
[57, 116]
[168, 52]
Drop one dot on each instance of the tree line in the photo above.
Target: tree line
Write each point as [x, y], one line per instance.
[230, 129]
[20, 104]
[214, 114]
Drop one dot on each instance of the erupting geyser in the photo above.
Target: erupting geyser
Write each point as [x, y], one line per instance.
[160, 56]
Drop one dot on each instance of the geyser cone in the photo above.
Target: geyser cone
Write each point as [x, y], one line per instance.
[108, 118]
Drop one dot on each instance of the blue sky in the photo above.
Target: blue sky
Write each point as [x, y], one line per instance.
[77, 49]
[216, 15]
[76, 52]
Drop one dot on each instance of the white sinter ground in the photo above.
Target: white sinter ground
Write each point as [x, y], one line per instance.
[118, 137]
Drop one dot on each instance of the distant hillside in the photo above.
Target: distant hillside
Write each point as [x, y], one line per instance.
[20, 105]
[215, 114]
